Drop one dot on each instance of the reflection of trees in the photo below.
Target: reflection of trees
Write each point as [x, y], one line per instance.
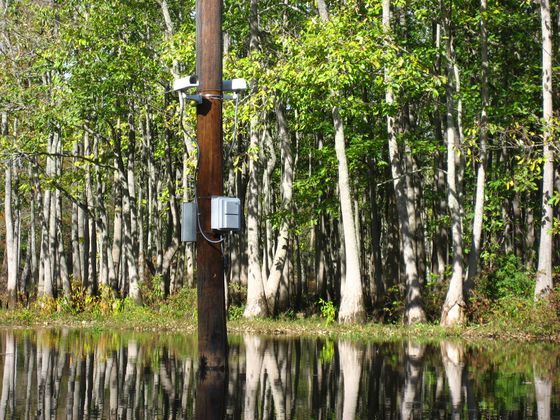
[414, 355]
[543, 392]
[543, 389]
[351, 365]
[49, 374]
[452, 356]
[7, 400]
[92, 381]
[253, 360]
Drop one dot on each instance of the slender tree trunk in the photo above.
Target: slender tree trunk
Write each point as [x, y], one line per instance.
[49, 229]
[91, 251]
[481, 171]
[529, 237]
[352, 298]
[281, 254]
[63, 261]
[128, 237]
[391, 267]
[453, 311]
[116, 249]
[414, 312]
[440, 240]
[376, 268]
[75, 230]
[9, 218]
[268, 202]
[544, 269]
[256, 300]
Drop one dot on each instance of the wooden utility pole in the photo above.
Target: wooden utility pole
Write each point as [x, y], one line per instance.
[212, 335]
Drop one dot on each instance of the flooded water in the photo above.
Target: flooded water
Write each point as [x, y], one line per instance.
[74, 374]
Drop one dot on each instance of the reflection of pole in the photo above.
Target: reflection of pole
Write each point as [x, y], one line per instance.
[212, 335]
[211, 395]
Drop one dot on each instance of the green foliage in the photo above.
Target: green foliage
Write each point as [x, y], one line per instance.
[433, 298]
[152, 291]
[509, 278]
[393, 307]
[328, 311]
[527, 316]
[180, 305]
[503, 298]
[235, 312]
[237, 293]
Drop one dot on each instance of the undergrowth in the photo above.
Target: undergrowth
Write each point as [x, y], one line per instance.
[501, 304]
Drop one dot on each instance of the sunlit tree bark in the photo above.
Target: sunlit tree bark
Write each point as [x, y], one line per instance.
[544, 268]
[453, 311]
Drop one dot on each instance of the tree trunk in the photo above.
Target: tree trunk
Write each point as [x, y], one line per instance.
[256, 300]
[49, 228]
[91, 251]
[281, 253]
[440, 240]
[453, 311]
[474, 255]
[544, 269]
[352, 299]
[529, 237]
[414, 312]
[11, 239]
[116, 248]
[376, 279]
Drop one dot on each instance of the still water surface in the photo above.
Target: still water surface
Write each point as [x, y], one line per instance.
[75, 374]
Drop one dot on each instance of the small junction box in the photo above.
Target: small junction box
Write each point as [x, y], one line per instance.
[226, 213]
[188, 222]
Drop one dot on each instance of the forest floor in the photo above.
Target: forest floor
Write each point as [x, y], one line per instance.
[146, 320]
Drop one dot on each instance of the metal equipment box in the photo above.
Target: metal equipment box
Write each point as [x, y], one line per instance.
[188, 222]
[226, 213]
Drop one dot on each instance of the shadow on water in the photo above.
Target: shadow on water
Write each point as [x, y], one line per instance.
[74, 374]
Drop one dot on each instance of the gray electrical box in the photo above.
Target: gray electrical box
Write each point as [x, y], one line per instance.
[226, 213]
[188, 222]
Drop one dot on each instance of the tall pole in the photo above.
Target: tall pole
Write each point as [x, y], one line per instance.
[212, 335]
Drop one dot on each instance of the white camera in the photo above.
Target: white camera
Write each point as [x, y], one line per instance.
[234, 85]
[185, 83]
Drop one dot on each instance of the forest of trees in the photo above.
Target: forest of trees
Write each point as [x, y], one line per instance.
[384, 149]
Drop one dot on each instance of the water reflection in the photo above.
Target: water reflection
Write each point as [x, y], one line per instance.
[74, 374]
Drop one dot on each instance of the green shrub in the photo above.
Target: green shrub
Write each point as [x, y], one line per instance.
[237, 293]
[235, 312]
[328, 311]
[509, 278]
[434, 297]
[504, 293]
[393, 306]
[152, 291]
[180, 305]
[519, 314]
